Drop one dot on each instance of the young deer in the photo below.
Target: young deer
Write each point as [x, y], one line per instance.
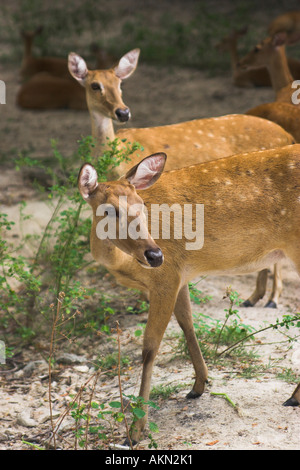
[31, 65]
[251, 219]
[289, 23]
[242, 78]
[199, 140]
[271, 53]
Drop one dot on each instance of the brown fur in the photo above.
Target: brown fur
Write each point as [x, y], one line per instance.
[243, 232]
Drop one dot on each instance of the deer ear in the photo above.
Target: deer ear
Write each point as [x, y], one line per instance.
[77, 67]
[127, 64]
[279, 39]
[87, 180]
[146, 173]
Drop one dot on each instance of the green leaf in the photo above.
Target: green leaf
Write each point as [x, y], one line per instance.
[138, 413]
[115, 404]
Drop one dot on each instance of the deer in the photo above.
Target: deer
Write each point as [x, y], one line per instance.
[46, 91]
[104, 59]
[284, 111]
[251, 207]
[30, 66]
[198, 140]
[250, 77]
[284, 114]
[271, 53]
[46, 81]
[289, 23]
[242, 78]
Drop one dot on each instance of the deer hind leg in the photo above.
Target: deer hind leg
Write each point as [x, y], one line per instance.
[183, 315]
[160, 311]
[277, 287]
[261, 286]
[260, 290]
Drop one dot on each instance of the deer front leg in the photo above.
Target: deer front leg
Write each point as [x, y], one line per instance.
[183, 313]
[160, 311]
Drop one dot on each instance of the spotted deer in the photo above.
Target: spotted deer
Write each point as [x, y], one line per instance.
[284, 114]
[186, 143]
[251, 206]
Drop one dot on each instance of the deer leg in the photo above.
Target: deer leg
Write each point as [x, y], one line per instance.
[295, 398]
[260, 290]
[277, 287]
[183, 313]
[160, 311]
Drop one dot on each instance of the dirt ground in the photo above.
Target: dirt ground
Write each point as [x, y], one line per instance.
[156, 96]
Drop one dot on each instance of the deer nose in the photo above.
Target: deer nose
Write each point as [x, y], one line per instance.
[123, 115]
[154, 257]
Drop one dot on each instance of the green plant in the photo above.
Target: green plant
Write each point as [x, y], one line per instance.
[196, 294]
[165, 391]
[59, 252]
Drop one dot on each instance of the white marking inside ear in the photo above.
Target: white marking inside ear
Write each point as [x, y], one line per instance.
[127, 64]
[147, 171]
[77, 67]
[88, 180]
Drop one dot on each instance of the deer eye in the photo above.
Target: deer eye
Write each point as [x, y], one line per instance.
[96, 86]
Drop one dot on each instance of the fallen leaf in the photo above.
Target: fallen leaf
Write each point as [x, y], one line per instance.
[212, 443]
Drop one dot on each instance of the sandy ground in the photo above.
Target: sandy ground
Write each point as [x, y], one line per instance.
[156, 96]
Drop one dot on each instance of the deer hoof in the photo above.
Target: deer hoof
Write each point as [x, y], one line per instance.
[192, 394]
[271, 304]
[291, 402]
[247, 303]
[129, 444]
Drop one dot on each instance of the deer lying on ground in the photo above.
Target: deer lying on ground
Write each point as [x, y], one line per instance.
[187, 143]
[57, 66]
[271, 53]
[288, 23]
[251, 205]
[258, 76]
[242, 78]
[45, 91]
[47, 83]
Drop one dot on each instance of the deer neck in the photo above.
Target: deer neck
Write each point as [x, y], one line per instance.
[233, 55]
[27, 48]
[102, 131]
[279, 69]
